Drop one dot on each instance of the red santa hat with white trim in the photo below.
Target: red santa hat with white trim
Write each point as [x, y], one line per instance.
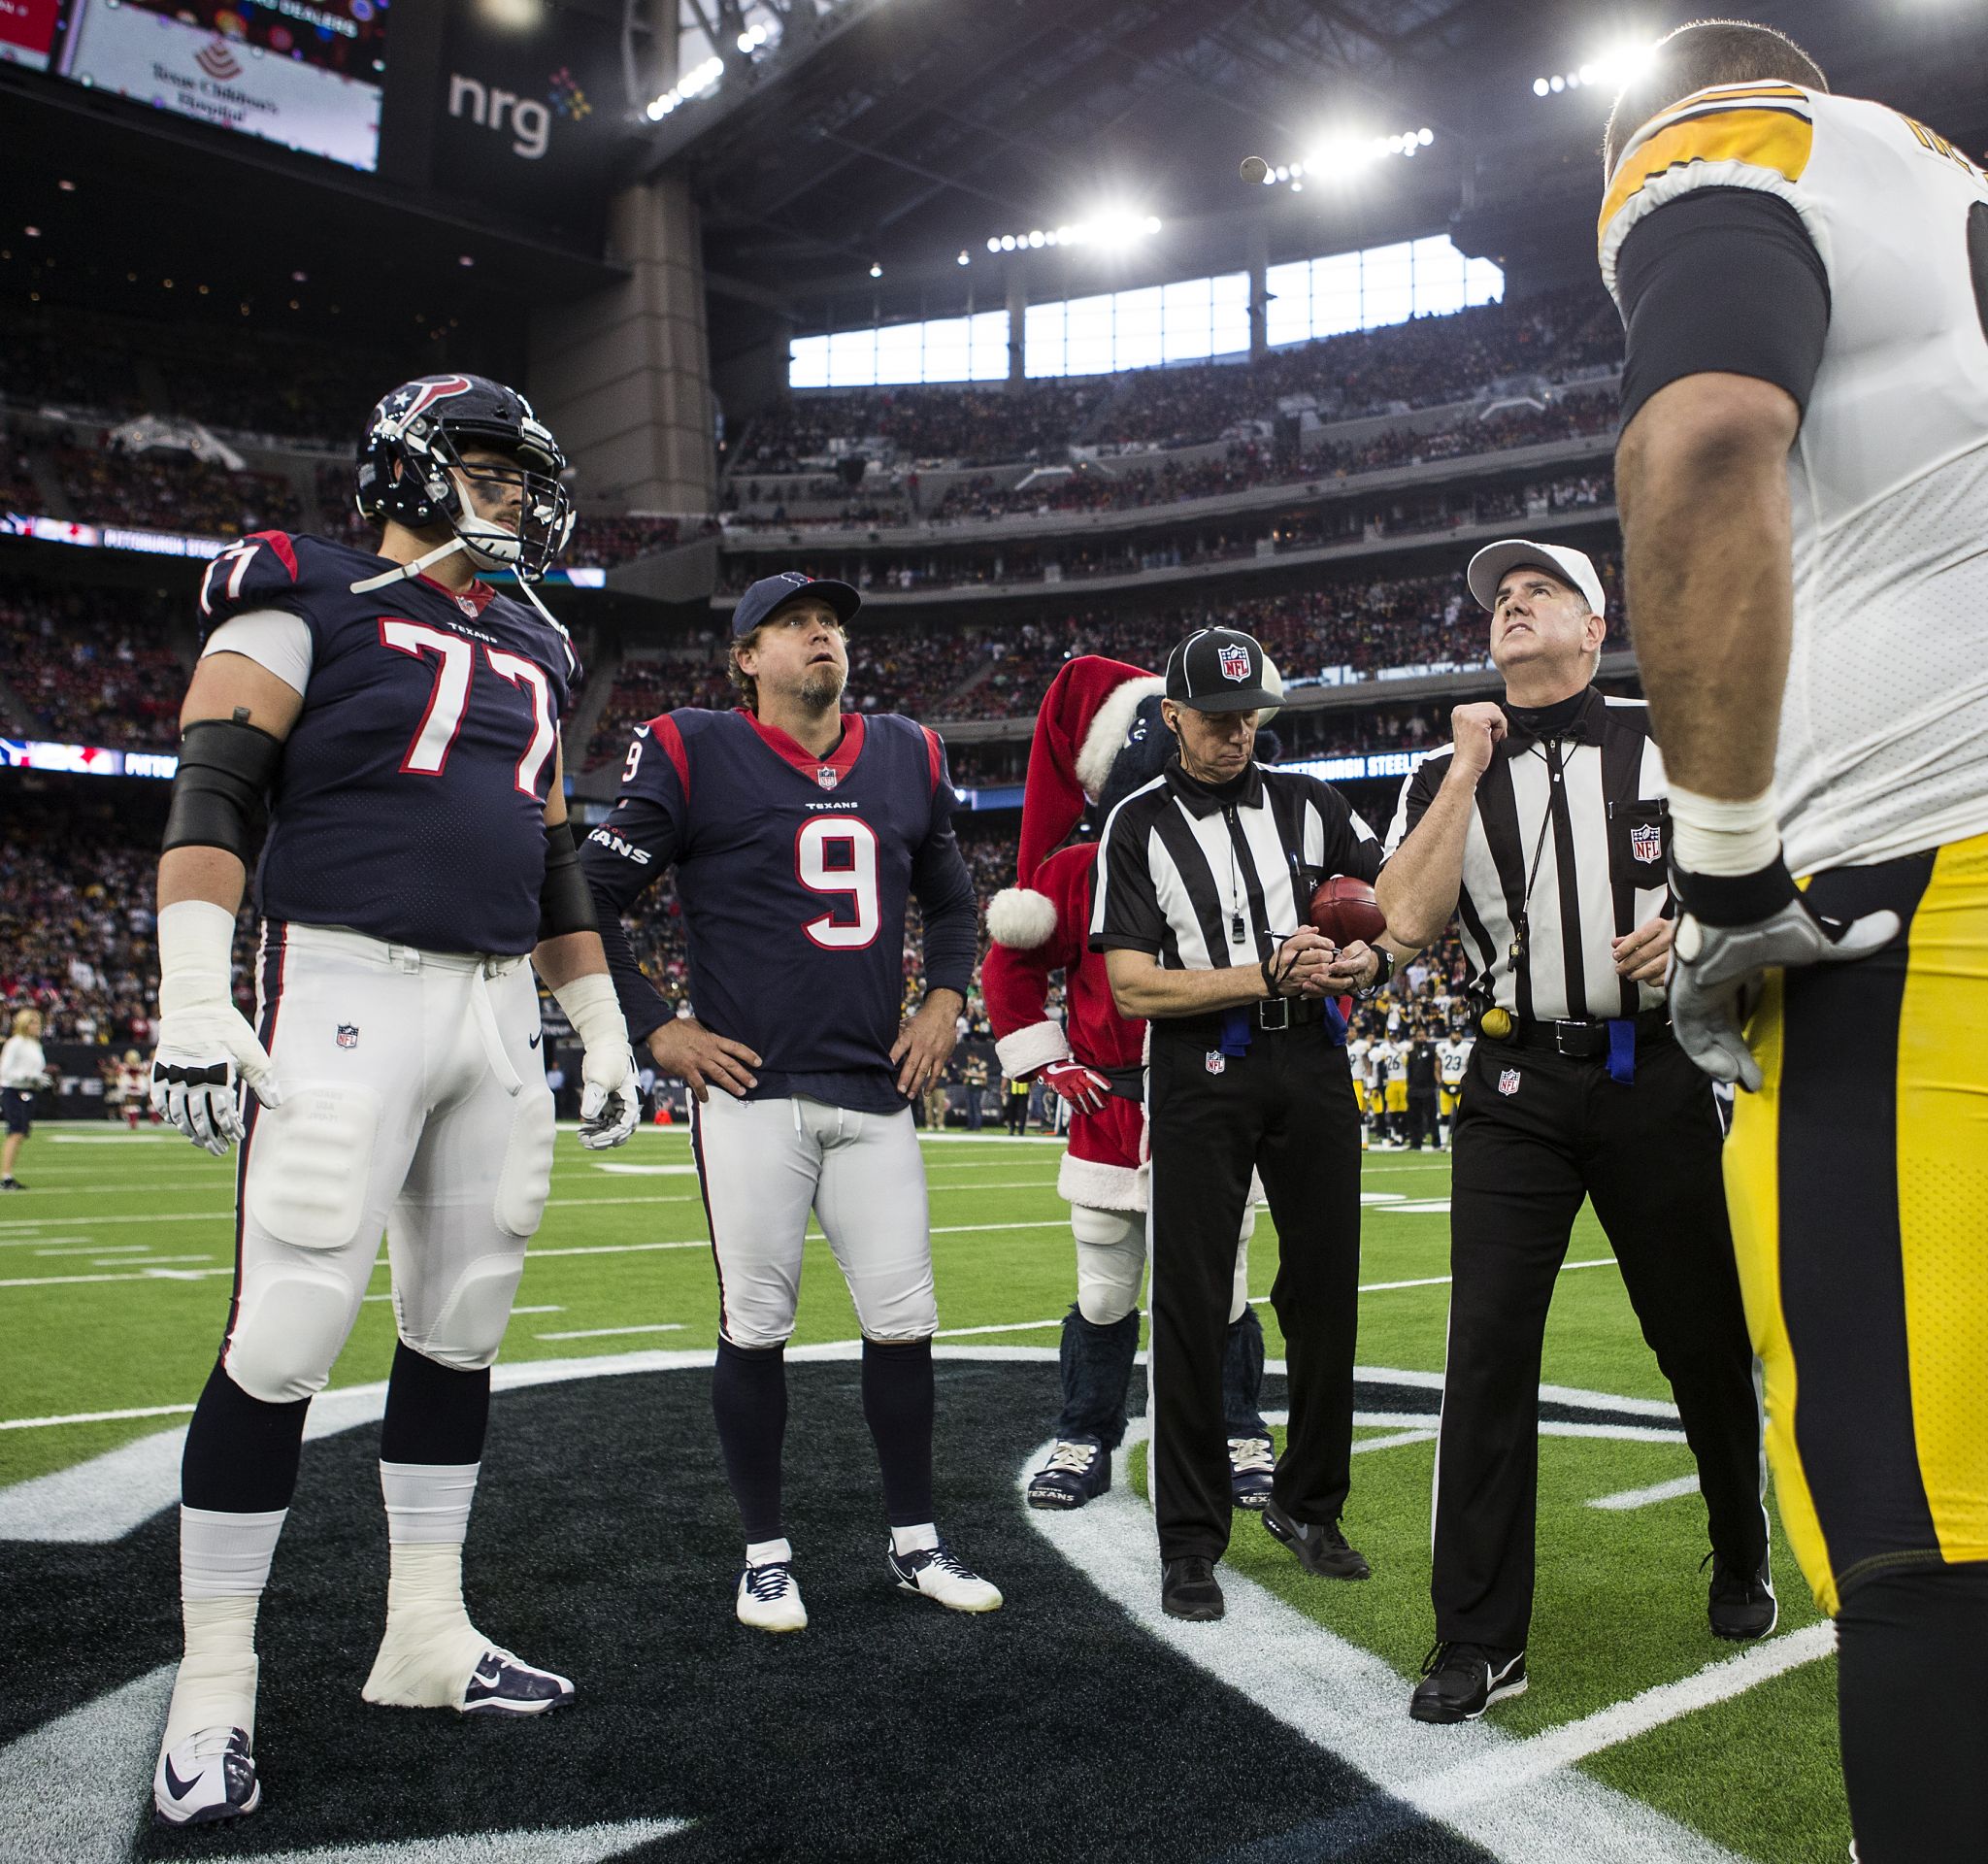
[1080, 728]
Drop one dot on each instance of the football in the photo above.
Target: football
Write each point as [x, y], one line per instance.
[1343, 909]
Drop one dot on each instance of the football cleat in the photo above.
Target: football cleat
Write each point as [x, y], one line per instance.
[939, 1574]
[1252, 1462]
[770, 1598]
[1461, 1680]
[1742, 1604]
[1079, 1470]
[208, 1776]
[1321, 1551]
[503, 1684]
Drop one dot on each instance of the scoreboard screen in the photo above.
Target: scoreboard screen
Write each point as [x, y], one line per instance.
[306, 74]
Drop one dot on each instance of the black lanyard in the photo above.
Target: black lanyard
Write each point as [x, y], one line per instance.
[1552, 751]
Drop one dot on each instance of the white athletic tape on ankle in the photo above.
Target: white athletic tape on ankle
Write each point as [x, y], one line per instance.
[428, 1504]
[226, 1557]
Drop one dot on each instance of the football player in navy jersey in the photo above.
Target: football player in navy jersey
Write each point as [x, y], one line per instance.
[401, 721]
[798, 833]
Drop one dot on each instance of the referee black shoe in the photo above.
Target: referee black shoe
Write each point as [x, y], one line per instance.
[1320, 1549]
[1189, 1590]
[1461, 1680]
[1742, 1604]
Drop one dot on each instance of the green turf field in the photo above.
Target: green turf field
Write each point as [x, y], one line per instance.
[115, 1270]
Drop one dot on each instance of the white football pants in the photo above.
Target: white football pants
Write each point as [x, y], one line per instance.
[764, 1163]
[414, 1102]
[1112, 1261]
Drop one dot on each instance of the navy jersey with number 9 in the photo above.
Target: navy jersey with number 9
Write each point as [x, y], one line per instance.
[411, 800]
[794, 874]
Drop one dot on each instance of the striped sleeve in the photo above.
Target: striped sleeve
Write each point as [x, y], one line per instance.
[1753, 136]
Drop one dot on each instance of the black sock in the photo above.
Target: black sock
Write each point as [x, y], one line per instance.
[435, 1414]
[240, 1455]
[898, 1407]
[1096, 1363]
[1913, 1728]
[749, 1396]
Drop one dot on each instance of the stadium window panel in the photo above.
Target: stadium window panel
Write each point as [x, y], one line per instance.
[901, 352]
[949, 350]
[1288, 318]
[1137, 327]
[1335, 294]
[1087, 336]
[1041, 340]
[807, 362]
[1387, 285]
[1184, 320]
[1439, 276]
[1229, 313]
[1483, 282]
[853, 359]
[989, 343]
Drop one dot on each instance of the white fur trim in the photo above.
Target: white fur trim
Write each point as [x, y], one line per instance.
[1021, 1052]
[1021, 919]
[1106, 738]
[1101, 1187]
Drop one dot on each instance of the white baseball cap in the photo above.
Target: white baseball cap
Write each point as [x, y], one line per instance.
[1574, 568]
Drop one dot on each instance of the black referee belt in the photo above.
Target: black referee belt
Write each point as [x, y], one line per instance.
[1584, 1038]
[1272, 1017]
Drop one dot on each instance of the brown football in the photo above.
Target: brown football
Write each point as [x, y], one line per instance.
[1343, 909]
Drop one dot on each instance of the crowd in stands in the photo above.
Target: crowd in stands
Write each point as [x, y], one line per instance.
[172, 491]
[19, 491]
[975, 426]
[91, 665]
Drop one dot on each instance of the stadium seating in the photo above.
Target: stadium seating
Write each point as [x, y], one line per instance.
[91, 666]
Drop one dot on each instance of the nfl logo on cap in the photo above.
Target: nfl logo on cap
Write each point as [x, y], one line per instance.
[1234, 663]
[1646, 843]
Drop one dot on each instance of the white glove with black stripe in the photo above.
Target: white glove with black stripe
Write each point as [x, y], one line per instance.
[1734, 928]
[205, 1043]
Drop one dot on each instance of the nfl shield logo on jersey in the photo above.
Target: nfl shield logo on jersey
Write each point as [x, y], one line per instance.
[1234, 663]
[827, 776]
[1507, 1081]
[348, 1035]
[1214, 1061]
[1646, 843]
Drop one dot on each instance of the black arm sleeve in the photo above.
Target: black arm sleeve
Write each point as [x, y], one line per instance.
[1727, 280]
[945, 891]
[622, 860]
[566, 904]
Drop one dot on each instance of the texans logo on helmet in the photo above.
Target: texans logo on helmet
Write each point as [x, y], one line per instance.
[417, 397]
[1234, 663]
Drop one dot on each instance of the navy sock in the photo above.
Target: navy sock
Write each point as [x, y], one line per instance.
[241, 1454]
[749, 1396]
[1242, 1377]
[435, 1414]
[898, 1407]
[1096, 1364]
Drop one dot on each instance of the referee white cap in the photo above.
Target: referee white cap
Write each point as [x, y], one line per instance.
[1574, 568]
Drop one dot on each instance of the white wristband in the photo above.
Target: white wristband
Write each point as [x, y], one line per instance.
[1710, 836]
[196, 955]
[593, 1008]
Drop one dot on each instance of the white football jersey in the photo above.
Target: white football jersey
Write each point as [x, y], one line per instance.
[1398, 1061]
[1450, 1057]
[1884, 722]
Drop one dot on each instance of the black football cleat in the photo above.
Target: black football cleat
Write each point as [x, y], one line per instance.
[1741, 1606]
[1079, 1470]
[1321, 1551]
[1189, 1590]
[1461, 1680]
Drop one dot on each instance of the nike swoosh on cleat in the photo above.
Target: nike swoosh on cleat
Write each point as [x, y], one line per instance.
[535, 1038]
[490, 1681]
[178, 1788]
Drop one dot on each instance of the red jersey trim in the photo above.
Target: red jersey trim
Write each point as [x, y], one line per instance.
[841, 760]
[279, 543]
[937, 753]
[480, 593]
[672, 740]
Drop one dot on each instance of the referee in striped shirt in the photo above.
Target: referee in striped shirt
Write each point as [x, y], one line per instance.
[1203, 885]
[1542, 827]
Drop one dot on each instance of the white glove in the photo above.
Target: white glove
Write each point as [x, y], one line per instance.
[204, 1041]
[1715, 969]
[610, 1094]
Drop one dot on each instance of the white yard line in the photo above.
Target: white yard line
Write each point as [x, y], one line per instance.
[1629, 1498]
[616, 1333]
[93, 1416]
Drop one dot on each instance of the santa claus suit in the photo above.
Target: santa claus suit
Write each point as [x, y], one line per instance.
[1098, 714]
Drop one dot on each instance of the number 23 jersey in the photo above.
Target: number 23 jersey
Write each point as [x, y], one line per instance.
[794, 874]
[411, 805]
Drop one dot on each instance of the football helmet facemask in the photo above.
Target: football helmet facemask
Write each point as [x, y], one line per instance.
[421, 428]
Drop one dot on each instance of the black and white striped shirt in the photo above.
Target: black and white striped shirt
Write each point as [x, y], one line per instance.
[1552, 854]
[1204, 879]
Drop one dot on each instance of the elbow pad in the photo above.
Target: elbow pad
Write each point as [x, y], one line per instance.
[566, 903]
[226, 770]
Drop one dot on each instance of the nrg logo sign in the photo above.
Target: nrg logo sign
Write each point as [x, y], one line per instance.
[530, 121]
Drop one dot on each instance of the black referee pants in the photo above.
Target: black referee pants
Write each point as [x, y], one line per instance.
[1648, 1153]
[1286, 1109]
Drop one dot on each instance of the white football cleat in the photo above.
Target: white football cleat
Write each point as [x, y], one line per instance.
[939, 1574]
[208, 1776]
[770, 1598]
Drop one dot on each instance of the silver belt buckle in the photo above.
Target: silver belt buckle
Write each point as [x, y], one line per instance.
[1566, 1032]
[1281, 1005]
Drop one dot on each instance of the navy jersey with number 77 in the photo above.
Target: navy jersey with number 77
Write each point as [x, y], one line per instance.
[794, 873]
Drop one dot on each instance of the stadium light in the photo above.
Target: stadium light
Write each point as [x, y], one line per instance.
[966, 257]
[1116, 227]
[1338, 158]
[694, 82]
[1609, 71]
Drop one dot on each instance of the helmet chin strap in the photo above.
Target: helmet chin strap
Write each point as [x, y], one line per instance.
[405, 569]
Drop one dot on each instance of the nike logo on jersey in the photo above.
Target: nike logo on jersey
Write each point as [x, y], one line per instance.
[642, 731]
[534, 1041]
